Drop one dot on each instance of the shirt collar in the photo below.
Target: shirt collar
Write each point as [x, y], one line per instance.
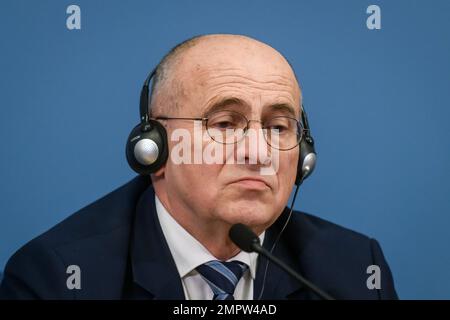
[187, 251]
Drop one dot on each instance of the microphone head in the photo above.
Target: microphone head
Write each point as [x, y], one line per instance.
[244, 238]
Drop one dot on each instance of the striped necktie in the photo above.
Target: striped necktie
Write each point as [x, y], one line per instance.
[222, 277]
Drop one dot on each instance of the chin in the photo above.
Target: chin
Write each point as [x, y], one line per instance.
[251, 214]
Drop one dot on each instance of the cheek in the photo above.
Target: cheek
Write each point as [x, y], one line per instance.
[196, 181]
[288, 169]
[184, 177]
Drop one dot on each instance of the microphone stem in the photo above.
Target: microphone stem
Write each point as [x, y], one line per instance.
[258, 248]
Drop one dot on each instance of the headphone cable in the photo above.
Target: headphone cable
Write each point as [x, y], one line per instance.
[278, 237]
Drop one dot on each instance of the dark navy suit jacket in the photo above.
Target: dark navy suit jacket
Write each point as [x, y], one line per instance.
[119, 246]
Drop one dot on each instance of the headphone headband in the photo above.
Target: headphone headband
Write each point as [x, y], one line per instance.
[145, 94]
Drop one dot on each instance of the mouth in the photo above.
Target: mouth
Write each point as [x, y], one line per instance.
[254, 183]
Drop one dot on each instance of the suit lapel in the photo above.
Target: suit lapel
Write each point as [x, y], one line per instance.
[153, 267]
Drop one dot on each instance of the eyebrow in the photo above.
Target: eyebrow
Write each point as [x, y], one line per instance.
[228, 101]
[281, 107]
[225, 102]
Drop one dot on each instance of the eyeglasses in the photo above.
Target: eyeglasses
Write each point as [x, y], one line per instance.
[230, 127]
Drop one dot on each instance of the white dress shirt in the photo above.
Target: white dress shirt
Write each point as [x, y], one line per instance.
[189, 253]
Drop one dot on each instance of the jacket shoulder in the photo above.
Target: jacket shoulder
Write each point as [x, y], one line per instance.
[111, 211]
[319, 227]
[334, 256]
[38, 269]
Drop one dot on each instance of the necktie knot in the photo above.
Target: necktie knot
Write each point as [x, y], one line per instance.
[222, 277]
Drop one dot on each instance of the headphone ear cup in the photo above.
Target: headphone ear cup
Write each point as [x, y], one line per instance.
[147, 149]
[306, 161]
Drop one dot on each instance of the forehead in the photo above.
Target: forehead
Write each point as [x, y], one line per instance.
[255, 74]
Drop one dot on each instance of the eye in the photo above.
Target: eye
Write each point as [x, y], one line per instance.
[280, 128]
[224, 125]
[280, 124]
[224, 120]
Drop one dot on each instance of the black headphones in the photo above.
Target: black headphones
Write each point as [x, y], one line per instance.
[147, 148]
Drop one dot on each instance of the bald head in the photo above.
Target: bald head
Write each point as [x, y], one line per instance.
[193, 63]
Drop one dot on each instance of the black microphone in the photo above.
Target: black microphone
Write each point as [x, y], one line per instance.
[248, 241]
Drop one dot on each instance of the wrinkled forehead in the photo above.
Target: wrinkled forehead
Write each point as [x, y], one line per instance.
[248, 70]
[250, 59]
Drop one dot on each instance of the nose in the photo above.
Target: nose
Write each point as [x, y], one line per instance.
[253, 149]
[256, 127]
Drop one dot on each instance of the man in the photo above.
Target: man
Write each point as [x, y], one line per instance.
[167, 236]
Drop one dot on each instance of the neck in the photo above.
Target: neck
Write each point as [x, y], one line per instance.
[212, 234]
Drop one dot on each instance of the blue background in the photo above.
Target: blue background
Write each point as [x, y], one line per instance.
[378, 103]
